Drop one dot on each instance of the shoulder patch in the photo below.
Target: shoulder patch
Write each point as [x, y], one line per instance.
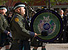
[16, 19]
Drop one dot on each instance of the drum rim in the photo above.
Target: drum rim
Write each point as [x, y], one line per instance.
[53, 12]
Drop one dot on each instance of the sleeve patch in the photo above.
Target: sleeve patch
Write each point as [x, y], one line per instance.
[16, 19]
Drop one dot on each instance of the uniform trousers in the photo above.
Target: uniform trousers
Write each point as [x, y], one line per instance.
[20, 44]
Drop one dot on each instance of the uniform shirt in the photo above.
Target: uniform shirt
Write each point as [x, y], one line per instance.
[3, 24]
[18, 28]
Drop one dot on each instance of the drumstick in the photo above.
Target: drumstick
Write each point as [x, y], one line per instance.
[38, 34]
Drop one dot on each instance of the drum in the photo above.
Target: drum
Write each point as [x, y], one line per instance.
[48, 21]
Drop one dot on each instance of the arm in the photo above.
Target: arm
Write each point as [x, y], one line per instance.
[2, 29]
[21, 29]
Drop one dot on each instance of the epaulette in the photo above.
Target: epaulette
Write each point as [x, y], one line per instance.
[15, 16]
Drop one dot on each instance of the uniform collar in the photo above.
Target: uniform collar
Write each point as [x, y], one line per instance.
[19, 15]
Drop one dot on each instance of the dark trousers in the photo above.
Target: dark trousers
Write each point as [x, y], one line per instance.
[4, 40]
[20, 44]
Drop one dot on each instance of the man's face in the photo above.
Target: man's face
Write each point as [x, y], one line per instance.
[61, 12]
[22, 10]
[3, 11]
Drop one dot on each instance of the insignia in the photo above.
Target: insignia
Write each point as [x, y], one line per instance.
[16, 19]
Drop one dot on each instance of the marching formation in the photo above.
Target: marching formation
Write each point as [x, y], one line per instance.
[15, 28]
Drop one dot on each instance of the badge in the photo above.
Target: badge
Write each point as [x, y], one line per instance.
[16, 19]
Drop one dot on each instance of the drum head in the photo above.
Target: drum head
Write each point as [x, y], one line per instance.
[47, 20]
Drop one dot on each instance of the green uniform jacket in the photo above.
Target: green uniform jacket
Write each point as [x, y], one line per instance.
[18, 28]
[3, 25]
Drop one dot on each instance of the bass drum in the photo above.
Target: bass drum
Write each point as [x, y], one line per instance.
[47, 20]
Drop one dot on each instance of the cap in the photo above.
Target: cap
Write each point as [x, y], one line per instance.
[3, 7]
[19, 4]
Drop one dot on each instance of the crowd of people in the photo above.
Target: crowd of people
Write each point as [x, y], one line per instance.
[14, 28]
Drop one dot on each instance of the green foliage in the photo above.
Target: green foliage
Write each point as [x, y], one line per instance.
[39, 1]
[65, 1]
[23, 0]
[53, 2]
[2, 2]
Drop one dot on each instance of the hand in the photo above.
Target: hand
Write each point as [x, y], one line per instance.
[8, 33]
[35, 34]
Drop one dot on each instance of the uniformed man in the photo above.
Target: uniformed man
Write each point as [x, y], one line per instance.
[3, 28]
[19, 34]
[64, 21]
